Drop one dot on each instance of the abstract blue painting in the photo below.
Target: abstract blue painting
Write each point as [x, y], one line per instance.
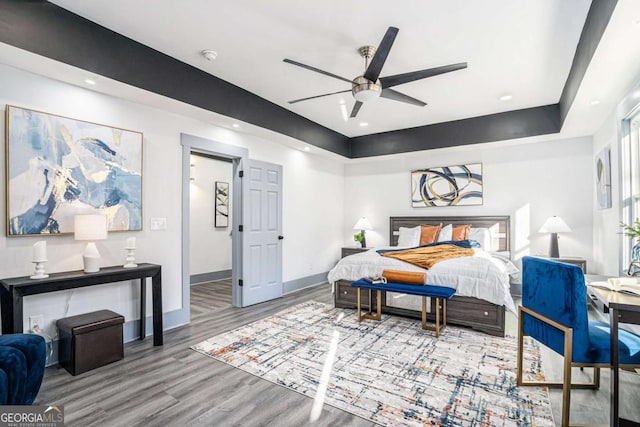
[447, 186]
[58, 167]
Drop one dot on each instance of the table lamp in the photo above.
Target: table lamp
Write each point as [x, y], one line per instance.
[554, 225]
[362, 225]
[90, 228]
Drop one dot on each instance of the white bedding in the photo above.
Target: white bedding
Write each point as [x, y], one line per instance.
[483, 275]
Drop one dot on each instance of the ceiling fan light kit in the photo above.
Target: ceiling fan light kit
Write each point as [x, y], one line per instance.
[363, 90]
[370, 85]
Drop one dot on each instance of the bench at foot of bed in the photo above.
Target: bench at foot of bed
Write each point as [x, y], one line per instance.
[437, 292]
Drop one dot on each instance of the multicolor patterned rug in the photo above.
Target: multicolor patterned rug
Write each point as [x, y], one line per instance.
[391, 372]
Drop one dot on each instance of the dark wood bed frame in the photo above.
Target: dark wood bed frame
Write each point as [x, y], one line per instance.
[472, 312]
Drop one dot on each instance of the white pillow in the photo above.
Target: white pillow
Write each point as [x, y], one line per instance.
[446, 233]
[409, 237]
[482, 236]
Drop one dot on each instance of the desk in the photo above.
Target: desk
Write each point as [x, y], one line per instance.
[623, 308]
[13, 290]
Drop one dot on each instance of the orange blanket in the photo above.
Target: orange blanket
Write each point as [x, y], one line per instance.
[409, 277]
[427, 256]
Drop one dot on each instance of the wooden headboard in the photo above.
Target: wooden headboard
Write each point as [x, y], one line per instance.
[499, 226]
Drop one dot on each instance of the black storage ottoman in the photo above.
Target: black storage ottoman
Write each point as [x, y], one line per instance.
[90, 340]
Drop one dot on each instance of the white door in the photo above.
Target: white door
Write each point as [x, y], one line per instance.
[262, 232]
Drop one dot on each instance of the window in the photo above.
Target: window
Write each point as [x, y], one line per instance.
[630, 176]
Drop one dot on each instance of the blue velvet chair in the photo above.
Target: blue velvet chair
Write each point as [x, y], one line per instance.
[22, 362]
[554, 312]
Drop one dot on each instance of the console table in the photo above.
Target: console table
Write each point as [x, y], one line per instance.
[13, 290]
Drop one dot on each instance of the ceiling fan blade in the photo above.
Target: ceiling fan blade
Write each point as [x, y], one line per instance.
[399, 79]
[375, 66]
[317, 70]
[397, 96]
[318, 96]
[355, 110]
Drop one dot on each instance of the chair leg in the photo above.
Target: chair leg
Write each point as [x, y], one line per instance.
[520, 346]
[566, 386]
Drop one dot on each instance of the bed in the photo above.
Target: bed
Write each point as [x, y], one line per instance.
[481, 307]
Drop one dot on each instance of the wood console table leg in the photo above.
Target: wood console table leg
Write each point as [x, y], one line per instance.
[156, 288]
[143, 308]
[7, 311]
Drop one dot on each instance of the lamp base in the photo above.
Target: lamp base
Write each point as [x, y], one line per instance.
[91, 258]
[91, 264]
[363, 241]
[554, 251]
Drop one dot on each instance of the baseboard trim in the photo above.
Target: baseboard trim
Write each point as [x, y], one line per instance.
[195, 279]
[304, 282]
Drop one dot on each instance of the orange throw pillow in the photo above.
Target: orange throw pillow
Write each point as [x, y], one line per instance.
[461, 232]
[429, 233]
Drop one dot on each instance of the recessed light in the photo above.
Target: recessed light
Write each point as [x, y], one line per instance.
[235, 125]
[364, 124]
[307, 148]
[506, 98]
[89, 81]
[595, 102]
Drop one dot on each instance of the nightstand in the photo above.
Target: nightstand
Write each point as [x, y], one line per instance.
[346, 251]
[580, 262]
[346, 296]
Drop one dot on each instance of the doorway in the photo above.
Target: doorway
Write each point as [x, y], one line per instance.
[211, 227]
[236, 155]
[257, 244]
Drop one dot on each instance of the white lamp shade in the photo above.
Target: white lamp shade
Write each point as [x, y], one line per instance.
[555, 224]
[363, 224]
[90, 227]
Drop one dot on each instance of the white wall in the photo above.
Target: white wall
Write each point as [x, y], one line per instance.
[606, 222]
[210, 247]
[312, 199]
[529, 182]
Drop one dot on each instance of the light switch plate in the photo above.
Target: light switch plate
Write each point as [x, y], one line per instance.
[158, 223]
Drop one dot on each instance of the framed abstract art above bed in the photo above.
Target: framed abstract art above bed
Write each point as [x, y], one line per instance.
[58, 167]
[459, 185]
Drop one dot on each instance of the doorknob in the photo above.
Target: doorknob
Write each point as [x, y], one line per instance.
[280, 237]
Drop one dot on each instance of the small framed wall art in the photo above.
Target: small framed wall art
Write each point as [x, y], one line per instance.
[459, 185]
[58, 167]
[222, 204]
[603, 178]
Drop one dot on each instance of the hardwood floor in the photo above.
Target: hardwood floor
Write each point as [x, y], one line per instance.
[206, 297]
[173, 385]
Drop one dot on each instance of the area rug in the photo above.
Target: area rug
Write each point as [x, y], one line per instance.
[390, 372]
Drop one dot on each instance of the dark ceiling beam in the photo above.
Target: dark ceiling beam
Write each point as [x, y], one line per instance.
[51, 31]
[596, 23]
[494, 127]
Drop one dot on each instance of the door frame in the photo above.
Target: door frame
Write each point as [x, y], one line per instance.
[238, 156]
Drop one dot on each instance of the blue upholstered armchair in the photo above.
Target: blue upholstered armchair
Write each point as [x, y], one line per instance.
[22, 361]
[554, 312]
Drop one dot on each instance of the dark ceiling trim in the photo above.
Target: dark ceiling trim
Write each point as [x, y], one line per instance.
[596, 23]
[494, 127]
[51, 31]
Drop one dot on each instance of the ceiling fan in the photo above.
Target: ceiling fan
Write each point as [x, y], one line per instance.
[370, 85]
